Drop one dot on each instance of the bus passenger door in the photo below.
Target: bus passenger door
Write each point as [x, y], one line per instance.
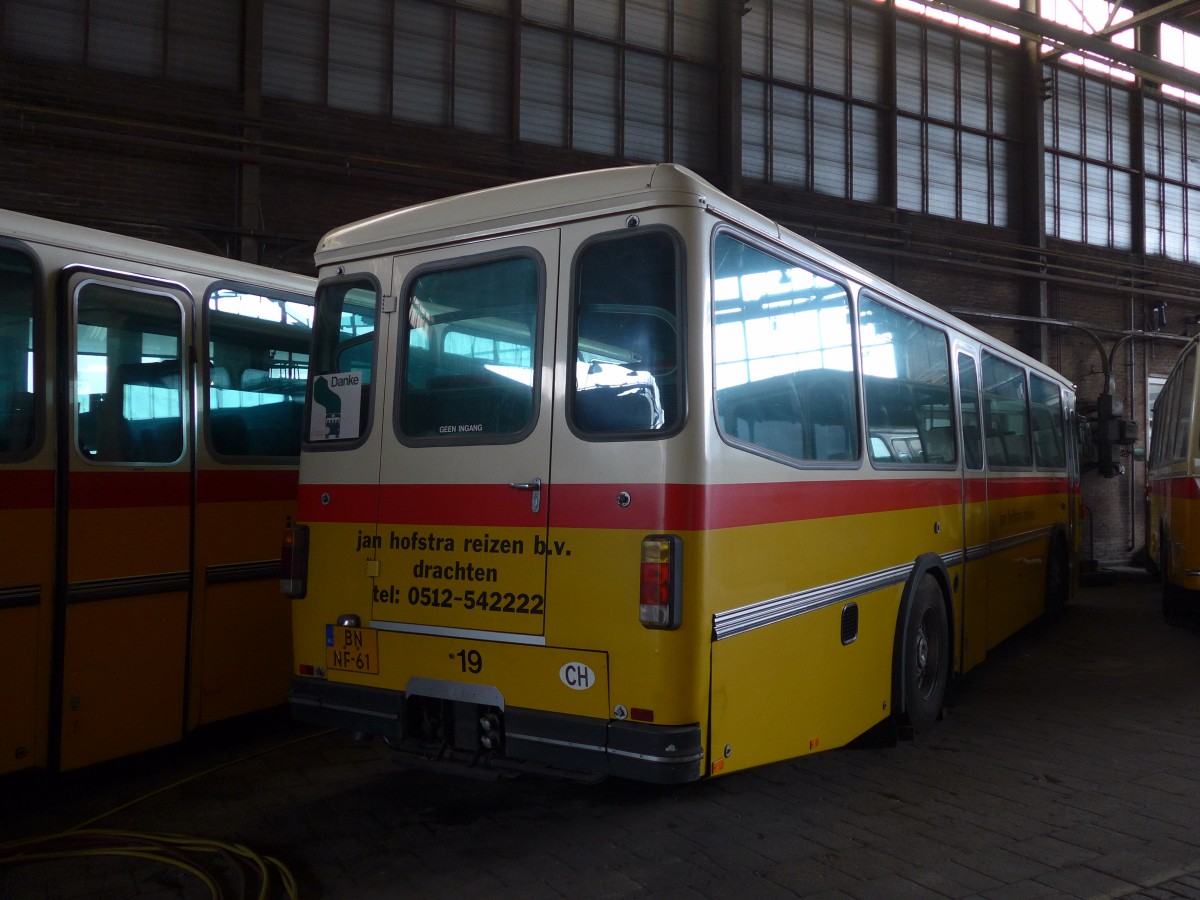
[464, 475]
[973, 614]
[125, 494]
[255, 372]
[26, 514]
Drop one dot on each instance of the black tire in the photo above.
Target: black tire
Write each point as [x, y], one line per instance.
[925, 655]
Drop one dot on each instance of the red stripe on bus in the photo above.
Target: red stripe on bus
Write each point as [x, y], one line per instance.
[232, 485]
[337, 502]
[1182, 488]
[26, 489]
[733, 505]
[975, 490]
[120, 489]
[651, 507]
[1012, 488]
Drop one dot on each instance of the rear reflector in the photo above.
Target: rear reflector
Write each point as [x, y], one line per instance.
[661, 593]
[293, 562]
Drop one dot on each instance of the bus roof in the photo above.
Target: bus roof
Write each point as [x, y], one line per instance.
[547, 201]
[529, 204]
[137, 251]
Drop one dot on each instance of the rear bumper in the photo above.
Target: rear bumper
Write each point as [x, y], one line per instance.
[661, 754]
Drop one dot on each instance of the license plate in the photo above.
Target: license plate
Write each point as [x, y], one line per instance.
[352, 649]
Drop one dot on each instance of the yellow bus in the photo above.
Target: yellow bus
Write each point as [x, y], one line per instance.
[607, 474]
[1173, 527]
[150, 409]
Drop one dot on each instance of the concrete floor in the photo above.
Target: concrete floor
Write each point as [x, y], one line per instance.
[1068, 765]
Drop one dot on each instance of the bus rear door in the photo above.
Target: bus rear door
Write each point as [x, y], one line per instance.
[464, 492]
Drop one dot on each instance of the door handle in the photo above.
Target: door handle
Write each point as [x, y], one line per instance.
[536, 487]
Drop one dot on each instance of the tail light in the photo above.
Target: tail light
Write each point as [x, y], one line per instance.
[661, 600]
[293, 562]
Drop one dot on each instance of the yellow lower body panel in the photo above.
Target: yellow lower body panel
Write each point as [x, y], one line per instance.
[123, 677]
[22, 707]
[553, 679]
[246, 649]
[793, 688]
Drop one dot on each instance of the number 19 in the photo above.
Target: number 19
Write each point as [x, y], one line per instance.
[470, 661]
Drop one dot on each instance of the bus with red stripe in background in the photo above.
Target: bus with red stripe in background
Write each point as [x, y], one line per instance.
[150, 408]
[1173, 526]
[607, 474]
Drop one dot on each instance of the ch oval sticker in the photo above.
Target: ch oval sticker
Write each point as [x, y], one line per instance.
[577, 676]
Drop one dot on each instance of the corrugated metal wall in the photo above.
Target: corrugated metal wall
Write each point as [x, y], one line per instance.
[252, 126]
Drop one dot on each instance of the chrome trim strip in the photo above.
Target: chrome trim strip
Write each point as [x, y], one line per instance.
[538, 739]
[778, 609]
[133, 586]
[387, 716]
[979, 551]
[536, 640]
[768, 612]
[20, 595]
[628, 754]
[247, 571]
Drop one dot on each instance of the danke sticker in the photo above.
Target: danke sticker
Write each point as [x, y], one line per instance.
[336, 399]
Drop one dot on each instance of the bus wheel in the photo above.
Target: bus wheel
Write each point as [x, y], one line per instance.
[926, 656]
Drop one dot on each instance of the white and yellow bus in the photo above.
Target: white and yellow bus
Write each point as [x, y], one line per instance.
[150, 409]
[608, 474]
[1173, 528]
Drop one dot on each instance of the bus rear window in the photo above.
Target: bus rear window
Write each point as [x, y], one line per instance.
[626, 339]
[342, 360]
[471, 352]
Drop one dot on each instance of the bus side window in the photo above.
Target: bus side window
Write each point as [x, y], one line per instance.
[766, 414]
[906, 379]
[1006, 414]
[969, 407]
[1049, 436]
[1166, 419]
[129, 375]
[828, 404]
[151, 392]
[784, 356]
[968, 403]
[258, 349]
[1185, 388]
[1164, 414]
[18, 409]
